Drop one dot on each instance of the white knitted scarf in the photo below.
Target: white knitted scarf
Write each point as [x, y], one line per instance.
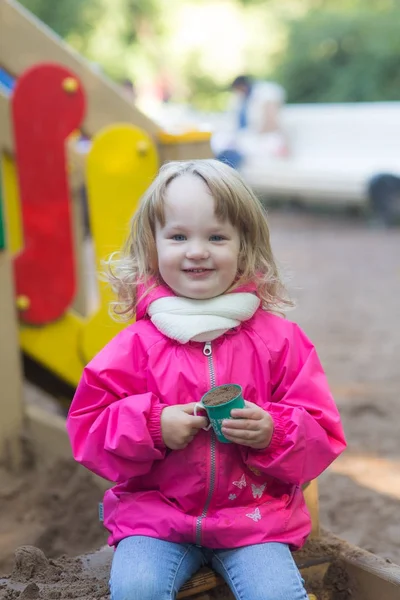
[184, 319]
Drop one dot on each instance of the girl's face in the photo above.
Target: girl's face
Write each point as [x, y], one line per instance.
[197, 253]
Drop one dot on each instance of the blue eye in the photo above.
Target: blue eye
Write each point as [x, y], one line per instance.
[178, 237]
[217, 238]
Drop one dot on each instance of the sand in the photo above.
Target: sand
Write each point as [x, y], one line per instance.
[220, 395]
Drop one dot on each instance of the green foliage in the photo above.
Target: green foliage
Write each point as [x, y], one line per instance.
[349, 56]
[206, 94]
[63, 16]
[107, 32]
[252, 2]
[330, 50]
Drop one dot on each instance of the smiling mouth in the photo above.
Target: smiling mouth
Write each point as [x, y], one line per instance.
[197, 270]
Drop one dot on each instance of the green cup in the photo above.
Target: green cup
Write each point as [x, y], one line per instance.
[218, 403]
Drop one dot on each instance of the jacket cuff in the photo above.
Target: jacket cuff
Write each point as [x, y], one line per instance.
[278, 434]
[154, 425]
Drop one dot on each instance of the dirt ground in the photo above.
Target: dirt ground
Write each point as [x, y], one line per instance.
[345, 277]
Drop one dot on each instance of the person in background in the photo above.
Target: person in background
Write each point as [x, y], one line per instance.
[252, 130]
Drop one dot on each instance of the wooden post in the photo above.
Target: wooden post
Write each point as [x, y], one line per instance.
[11, 401]
[76, 168]
[312, 501]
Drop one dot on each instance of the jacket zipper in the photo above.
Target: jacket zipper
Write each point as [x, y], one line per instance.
[207, 351]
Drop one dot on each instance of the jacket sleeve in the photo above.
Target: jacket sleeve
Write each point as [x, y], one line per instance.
[308, 434]
[114, 422]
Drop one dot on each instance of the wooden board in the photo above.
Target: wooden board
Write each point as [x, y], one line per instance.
[2, 220]
[11, 401]
[203, 580]
[6, 139]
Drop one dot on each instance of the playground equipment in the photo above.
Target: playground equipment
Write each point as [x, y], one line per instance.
[121, 163]
[43, 250]
[45, 108]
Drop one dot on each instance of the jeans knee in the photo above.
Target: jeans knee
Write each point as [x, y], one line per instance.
[131, 587]
[281, 589]
[288, 590]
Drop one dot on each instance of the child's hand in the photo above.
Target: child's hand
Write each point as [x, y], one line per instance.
[251, 426]
[179, 426]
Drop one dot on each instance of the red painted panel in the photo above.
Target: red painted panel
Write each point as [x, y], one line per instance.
[48, 104]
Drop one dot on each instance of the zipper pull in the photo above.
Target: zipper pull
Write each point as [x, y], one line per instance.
[207, 350]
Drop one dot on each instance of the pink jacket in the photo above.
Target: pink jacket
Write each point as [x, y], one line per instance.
[212, 494]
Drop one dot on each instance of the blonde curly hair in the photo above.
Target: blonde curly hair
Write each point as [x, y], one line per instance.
[137, 263]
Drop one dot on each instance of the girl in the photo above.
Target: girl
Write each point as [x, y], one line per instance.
[199, 273]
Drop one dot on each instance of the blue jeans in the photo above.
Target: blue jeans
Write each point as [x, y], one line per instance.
[146, 568]
[233, 158]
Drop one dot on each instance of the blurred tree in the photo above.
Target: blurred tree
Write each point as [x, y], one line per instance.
[119, 33]
[320, 50]
[349, 56]
[63, 16]
[206, 93]
[108, 33]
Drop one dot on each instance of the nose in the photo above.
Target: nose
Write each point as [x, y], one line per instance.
[197, 251]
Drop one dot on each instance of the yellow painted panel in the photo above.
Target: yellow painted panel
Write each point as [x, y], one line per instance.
[55, 346]
[191, 136]
[120, 166]
[12, 206]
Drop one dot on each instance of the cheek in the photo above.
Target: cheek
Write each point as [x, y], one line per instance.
[229, 260]
[167, 256]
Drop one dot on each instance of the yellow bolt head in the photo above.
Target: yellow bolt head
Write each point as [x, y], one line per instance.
[23, 302]
[142, 147]
[70, 85]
